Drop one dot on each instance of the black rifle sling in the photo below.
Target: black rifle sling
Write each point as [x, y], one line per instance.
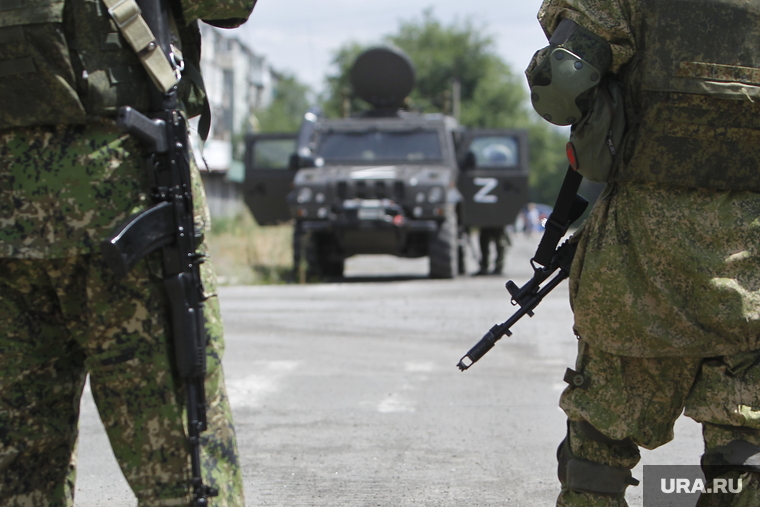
[568, 208]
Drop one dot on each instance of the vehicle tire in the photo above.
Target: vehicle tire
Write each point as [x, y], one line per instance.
[333, 267]
[322, 257]
[299, 272]
[444, 246]
[333, 261]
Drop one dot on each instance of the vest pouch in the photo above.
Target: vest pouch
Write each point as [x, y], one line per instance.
[37, 80]
[596, 139]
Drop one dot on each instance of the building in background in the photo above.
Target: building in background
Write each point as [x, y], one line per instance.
[238, 83]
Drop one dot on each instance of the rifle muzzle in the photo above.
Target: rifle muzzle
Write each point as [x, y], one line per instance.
[482, 347]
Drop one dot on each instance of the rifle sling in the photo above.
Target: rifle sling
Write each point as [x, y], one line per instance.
[128, 17]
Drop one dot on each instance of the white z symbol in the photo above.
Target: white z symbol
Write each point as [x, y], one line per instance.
[482, 195]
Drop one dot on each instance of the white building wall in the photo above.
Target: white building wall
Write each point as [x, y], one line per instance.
[238, 83]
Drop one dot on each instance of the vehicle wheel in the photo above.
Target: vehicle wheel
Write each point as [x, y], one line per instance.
[322, 257]
[443, 247]
[333, 267]
[299, 272]
[332, 259]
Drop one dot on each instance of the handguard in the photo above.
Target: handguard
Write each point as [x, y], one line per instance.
[548, 259]
[527, 298]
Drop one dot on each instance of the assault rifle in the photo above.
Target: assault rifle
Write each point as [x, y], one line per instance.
[169, 225]
[547, 260]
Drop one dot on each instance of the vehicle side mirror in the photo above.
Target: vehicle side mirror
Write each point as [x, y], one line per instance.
[300, 161]
[468, 162]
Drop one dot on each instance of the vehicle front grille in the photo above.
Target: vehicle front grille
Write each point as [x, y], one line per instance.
[398, 190]
[380, 190]
[342, 190]
[370, 189]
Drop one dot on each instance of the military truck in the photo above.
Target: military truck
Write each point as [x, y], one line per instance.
[385, 181]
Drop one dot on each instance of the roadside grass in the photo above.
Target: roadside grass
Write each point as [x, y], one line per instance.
[245, 253]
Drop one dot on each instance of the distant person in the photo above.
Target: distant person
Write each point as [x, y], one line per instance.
[532, 219]
[500, 237]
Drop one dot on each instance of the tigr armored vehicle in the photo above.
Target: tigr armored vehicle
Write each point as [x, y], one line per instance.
[386, 181]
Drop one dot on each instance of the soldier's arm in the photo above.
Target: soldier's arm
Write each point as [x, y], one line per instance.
[220, 13]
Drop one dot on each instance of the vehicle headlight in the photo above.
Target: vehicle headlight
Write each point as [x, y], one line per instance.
[420, 197]
[320, 197]
[435, 194]
[304, 195]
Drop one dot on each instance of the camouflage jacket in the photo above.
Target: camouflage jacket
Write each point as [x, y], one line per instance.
[68, 177]
[661, 270]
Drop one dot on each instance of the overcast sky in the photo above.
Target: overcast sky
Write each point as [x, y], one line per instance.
[300, 36]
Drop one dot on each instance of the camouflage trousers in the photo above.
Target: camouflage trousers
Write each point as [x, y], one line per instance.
[64, 318]
[635, 401]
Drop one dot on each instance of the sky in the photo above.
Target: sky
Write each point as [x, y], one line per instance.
[301, 36]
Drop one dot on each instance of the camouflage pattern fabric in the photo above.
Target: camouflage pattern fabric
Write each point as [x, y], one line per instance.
[649, 249]
[613, 20]
[669, 271]
[226, 13]
[64, 189]
[69, 316]
[640, 398]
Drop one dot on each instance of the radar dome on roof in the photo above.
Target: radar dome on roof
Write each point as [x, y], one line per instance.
[383, 76]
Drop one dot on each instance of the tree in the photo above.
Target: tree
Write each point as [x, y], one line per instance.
[491, 94]
[339, 99]
[288, 106]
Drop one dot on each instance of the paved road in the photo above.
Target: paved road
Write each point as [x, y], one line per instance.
[347, 394]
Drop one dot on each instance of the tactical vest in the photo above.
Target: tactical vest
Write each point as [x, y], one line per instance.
[693, 96]
[62, 61]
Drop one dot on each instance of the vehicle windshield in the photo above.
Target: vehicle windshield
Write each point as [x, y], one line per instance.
[377, 146]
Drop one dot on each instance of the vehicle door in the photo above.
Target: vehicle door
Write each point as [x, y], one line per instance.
[493, 176]
[268, 176]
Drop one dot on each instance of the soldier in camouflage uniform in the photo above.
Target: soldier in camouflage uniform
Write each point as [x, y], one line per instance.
[665, 285]
[68, 177]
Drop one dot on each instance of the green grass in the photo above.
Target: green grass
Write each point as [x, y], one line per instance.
[245, 253]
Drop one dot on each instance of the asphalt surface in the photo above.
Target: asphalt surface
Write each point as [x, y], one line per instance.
[347, 393]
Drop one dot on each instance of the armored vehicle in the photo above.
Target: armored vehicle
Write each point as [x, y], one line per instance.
[386, 181]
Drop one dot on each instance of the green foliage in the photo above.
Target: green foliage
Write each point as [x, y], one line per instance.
[442, 54]
[245, 253]
[288, 106]
[548, 163]
[491, 94]
[339, 100]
